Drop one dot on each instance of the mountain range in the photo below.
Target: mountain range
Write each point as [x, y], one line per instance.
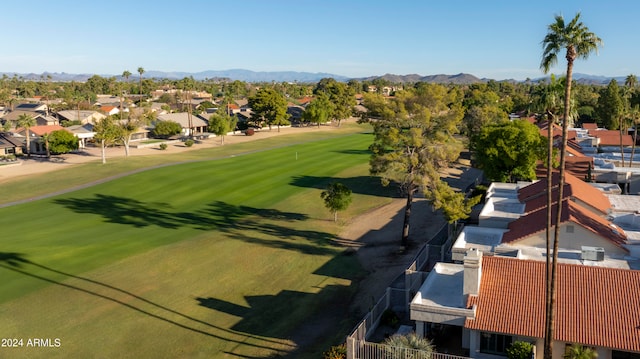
[302, 77]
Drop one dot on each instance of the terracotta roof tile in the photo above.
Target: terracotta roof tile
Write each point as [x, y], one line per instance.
[534, 195]
[590, 126]
[41, 130]
[612, 138]
[596, 306]
[536, 221]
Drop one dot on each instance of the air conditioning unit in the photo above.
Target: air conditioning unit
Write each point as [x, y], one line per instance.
[592, 253]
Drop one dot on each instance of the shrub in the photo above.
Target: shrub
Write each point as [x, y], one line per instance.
[336, 352]
[189, 143]
[390, 318]
[520, 350]
[249, 132]
[166, 129]
[163, 146]
[401, 346]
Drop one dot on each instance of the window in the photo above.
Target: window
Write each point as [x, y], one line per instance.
[624, 355]
[569, 229]
[491, 343]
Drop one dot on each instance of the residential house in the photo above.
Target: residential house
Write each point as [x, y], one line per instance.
[489, 301]
[32, 107]
[109, 110]
[42, 119]
[188, 122]
[82, 116]
[84, 133]
[10, 145]
[492, 301]
[35, 135]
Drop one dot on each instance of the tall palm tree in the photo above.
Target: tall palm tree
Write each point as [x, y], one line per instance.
[549, 99]
[630, 82]
[140, 71]
[26, 121]
[578, 42]
[45, 139]
[634, 114]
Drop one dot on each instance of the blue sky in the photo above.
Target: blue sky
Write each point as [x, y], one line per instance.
[357, 38]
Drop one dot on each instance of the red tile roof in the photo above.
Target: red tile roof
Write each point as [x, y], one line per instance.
[536, 222]
[589, 126]
[534, 195]
[612, 138]
[596, 306]
[577, 166]
[41, 130]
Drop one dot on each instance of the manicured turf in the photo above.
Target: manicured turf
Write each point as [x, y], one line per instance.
[220, 258]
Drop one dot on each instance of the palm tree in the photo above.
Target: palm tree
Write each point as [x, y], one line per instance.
[578, 42]
[26, 121]
[549, 101]
[630, 83]
[45, 139]
[634, 113]
[140, 71]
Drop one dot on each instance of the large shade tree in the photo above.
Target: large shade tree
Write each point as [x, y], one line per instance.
[414, 140]
[578, 42]
[270, 106]
[340, 95]
[508, 151]
[318, 110]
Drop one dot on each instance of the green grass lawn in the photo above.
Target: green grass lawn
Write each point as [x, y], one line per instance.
[226, 257]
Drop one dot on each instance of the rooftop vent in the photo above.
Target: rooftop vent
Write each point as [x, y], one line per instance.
[592, 253]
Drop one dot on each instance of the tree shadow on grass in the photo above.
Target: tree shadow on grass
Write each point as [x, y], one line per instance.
[368, 185]
[123, 210]
[18, 263]
[265, 314]
[265, 226]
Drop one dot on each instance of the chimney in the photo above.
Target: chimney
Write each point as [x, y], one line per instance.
[472, 272]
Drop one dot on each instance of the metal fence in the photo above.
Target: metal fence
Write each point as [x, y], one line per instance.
[365, 350]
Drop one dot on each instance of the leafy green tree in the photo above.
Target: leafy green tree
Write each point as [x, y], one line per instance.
[454, 205]
[414, 140]
[62, 141]
[222, 123]
[520, 350]
[165, 129]
[409, 346]
[27, 121]
[340, 94]
[318, 110]
[107, 134]
[509, 151]
[578, 42]
[337, 197]
[127, 128]
[577, 351]
[610, 106]
[270, 106]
